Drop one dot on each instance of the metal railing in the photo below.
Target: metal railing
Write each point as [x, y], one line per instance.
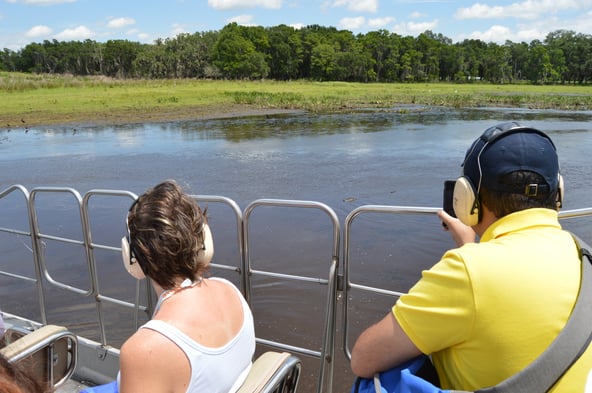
[338, 282]
[327, 352]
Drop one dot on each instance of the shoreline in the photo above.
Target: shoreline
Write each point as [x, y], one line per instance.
[27, 121]
[156, 116]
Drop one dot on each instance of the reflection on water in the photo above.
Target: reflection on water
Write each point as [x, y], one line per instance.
[394, 157]
[397, 157]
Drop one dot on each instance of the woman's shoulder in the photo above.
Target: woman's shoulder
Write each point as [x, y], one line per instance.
[143, 342]
[148, 360]
[153, 348]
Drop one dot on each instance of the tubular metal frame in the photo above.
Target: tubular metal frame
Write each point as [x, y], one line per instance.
[338, 285]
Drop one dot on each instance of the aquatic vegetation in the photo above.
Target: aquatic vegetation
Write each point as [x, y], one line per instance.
[53, 99]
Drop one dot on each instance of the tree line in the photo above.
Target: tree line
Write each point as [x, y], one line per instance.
[316, 53]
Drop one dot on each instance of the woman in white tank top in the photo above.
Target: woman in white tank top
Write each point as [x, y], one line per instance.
[201, 336]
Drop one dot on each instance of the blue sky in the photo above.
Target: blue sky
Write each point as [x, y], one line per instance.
[26, 21]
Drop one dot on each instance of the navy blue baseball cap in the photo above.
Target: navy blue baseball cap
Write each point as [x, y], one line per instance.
[510, 147]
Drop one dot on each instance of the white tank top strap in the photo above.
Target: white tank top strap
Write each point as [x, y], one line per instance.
[228, 283]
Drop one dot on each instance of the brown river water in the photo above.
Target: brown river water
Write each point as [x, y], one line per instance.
[396, 157]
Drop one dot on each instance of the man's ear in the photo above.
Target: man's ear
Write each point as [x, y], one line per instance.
[486, 218]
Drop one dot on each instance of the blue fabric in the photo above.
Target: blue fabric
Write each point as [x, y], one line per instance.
[400, 379]
[110, 387]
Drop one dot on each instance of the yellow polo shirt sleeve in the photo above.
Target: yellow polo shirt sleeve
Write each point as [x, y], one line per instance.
[438, 312]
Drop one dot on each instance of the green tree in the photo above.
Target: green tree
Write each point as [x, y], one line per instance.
[576, 63]
[312, 37]
[354, 65]
[187, 55]
[316, 52]
[430, 46]
[285, 52]
[236, 57]
[518, 59]
[539, 67]
[411, 66]
[323, 61]
[473, 53]
[152, 62]
[383, 50]
[496, 63]
[119, 57]
[8, 59]
[32, 58]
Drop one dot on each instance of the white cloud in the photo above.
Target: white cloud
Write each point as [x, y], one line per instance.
[495, 33]
[357, 5]
[581, 24]
[233, 4]
[298, 26]
[352, 23]
[527, 9]
[76, 34]
[117, 23]
[500, 34]
[243, 20]
[526, 36]
[532, 30]
[416, 15]
[360, 22]
[377, 23]
[38, 31]
[41, 2]
[412, 28]
[178, 29]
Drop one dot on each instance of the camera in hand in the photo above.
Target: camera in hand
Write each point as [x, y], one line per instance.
[448, 197]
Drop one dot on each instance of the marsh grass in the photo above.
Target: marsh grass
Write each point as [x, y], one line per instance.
[51, 99]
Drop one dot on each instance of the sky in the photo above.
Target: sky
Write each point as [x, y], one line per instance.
[26, 21]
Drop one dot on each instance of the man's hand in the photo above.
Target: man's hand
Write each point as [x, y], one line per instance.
[460, 232]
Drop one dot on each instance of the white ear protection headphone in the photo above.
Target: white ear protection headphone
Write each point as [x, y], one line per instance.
[465, 201]
[134, 268]
[207, 252]
[466, 194]
[130, 262]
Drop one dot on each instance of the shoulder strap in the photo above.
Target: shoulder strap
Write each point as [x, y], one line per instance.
[568, 346]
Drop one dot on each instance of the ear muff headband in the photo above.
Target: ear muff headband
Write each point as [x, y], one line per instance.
[465, 196]
[207, 252]
[130, 262]
[560, 192]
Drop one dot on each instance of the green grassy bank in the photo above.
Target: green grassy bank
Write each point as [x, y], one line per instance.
[47, 99]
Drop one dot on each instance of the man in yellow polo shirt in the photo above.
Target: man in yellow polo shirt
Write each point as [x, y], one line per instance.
[486, 310]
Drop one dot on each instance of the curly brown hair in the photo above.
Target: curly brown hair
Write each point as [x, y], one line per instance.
[16, 379]
[167, 234]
